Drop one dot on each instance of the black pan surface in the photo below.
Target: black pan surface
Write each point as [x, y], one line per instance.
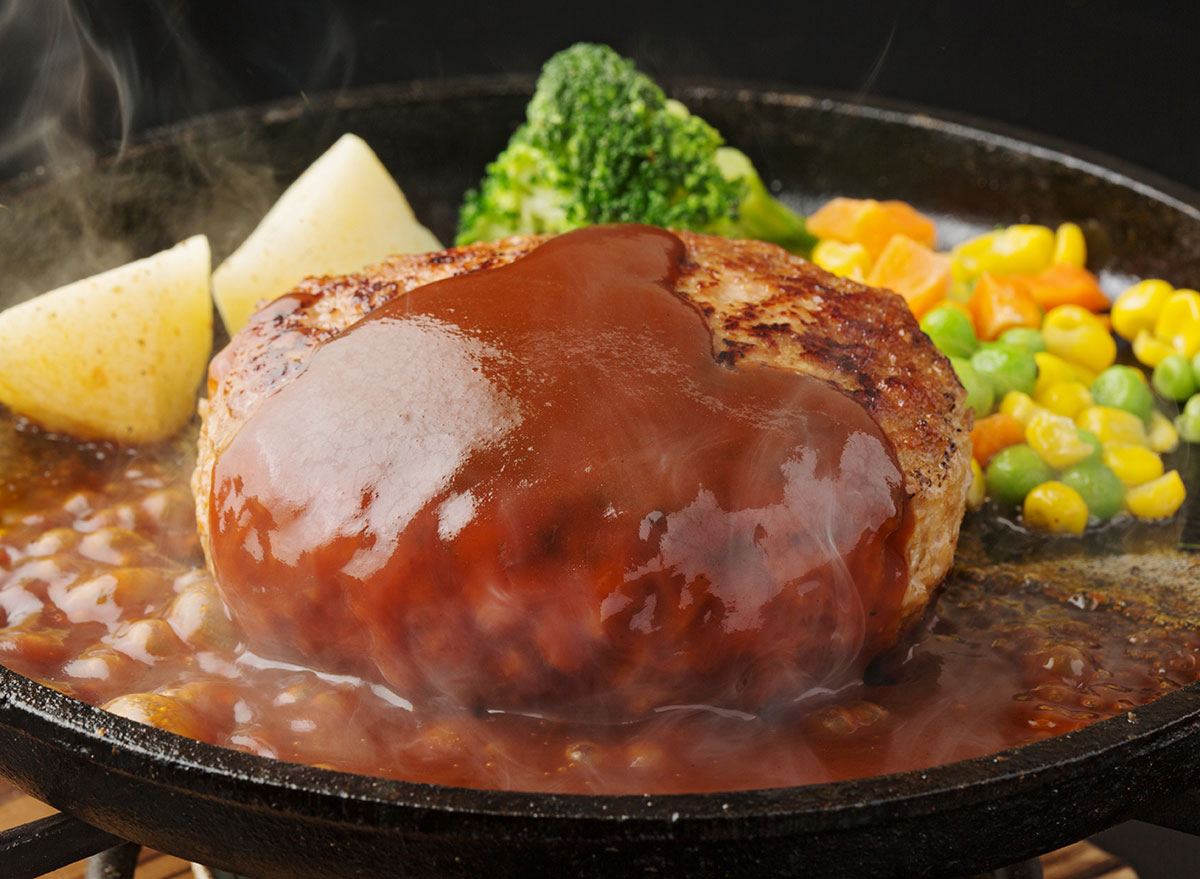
[266, 818]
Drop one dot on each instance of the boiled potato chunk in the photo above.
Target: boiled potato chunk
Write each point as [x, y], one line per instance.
[117, 356]
[344, 212]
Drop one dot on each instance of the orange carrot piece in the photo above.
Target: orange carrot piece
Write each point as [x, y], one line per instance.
[871, 223]
[1068, 285]
[914, 271]
[993, 433]
[1001, 302]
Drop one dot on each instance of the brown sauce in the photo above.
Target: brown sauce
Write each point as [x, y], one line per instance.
[535, 488]
[104, 596]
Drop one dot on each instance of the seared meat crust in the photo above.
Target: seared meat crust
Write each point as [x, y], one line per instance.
[762, 304]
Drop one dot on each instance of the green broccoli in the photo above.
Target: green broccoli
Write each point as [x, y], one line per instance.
[602, 144]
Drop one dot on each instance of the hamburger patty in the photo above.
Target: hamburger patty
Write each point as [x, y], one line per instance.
[763, 307]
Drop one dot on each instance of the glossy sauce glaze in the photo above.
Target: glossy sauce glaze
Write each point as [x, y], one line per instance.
[536, 489]
[105, 597]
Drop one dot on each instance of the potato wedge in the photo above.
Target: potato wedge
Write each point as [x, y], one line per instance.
[117, 356]
[344, 212]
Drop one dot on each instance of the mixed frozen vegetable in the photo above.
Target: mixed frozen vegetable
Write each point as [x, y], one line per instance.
[1064, 433]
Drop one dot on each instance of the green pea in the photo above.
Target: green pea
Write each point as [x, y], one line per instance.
[1188, 427]
[1123, 387]
[1173, 377]
[1188, 421]
[980, 395]
[1007, 367]
[951, 331]
[1024, 337]
[1013, 472]
[1099, 487]
[1094, 441]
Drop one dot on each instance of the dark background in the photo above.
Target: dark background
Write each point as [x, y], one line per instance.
[1115, 75]
[77, 79]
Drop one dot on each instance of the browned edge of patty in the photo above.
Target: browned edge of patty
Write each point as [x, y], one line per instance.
[762, 304]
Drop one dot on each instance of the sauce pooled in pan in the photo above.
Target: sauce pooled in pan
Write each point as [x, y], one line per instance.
[104, 594]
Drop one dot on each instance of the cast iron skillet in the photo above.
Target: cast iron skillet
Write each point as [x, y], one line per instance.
[267, 818]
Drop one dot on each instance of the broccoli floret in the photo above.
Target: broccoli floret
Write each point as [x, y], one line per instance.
[602, 144]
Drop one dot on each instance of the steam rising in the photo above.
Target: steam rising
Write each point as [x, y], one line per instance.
[72, 92]
[79, 85]
[84, 80]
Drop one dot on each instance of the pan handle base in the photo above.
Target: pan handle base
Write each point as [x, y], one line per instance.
[34, 849]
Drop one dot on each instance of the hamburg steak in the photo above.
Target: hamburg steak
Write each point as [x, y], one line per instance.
[594, 475]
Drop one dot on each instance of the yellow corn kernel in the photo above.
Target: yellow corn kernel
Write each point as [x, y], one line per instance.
[1016, 250]
[1056, 508]
[1157, 499]
[1084, 376]
[978, 490]
[1070, 248]
[1066, 397]
[1181, 307]
[1112, 425]
[1134, 465]
[1072, 315]
[1138, 307]
[841, 259]
[1078, 336]
[1178, 322]
[1053, 369]
[1161, 434]
[1187, 342]
[1149, 349]
[1020, 406]
[1056, 440]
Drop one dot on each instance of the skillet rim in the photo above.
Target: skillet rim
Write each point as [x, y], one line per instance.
[123, 746]
[171, 760]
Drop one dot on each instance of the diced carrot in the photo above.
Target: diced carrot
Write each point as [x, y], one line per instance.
[1068, 285]
[993, 433]
[1001, 302]
[914, 271]
[871, 223]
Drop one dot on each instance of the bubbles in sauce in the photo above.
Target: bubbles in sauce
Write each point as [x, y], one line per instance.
[535, 488]
[104, 596]
[995, 668]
